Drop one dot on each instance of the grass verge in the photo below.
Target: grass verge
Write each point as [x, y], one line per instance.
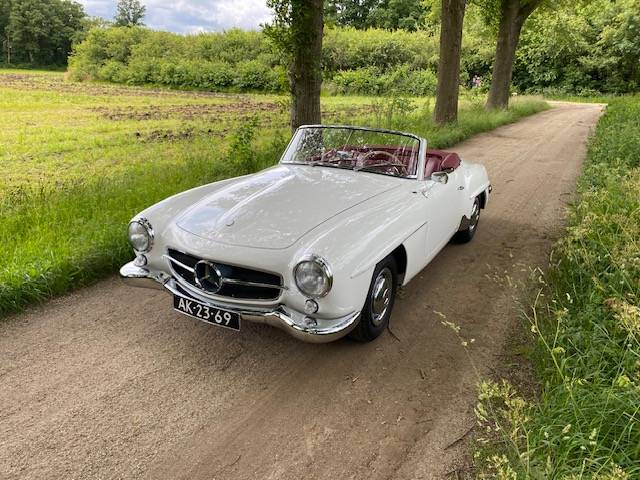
[586, 326]
[81, 159]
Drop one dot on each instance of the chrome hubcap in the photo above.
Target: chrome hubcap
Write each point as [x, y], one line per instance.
[381, 296]
[475, 215]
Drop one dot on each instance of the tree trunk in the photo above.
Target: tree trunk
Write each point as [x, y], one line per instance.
[305, 72]
[449, 64]
[512, 18]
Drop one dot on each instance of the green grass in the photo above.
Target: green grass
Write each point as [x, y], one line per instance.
[586, 324]
[80, 159]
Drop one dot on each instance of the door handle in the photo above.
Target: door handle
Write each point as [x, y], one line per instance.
[461, 187]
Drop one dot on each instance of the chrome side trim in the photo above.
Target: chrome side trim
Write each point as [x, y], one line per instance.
[253, 284]
[180, 264]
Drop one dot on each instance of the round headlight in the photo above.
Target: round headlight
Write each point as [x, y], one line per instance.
[313, 276]
[140, 235]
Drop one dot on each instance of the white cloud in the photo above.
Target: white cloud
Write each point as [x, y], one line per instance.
[192, 16]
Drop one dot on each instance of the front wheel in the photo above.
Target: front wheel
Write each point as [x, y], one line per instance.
[375, 315]
[464, 236]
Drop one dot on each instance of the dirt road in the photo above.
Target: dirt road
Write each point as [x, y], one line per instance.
[111, 383]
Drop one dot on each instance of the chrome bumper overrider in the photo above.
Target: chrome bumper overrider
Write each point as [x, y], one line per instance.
[295, 323]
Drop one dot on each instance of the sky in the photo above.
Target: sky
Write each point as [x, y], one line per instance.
[191, 16]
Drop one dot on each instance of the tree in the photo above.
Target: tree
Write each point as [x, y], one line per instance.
[448, 88]
[42, 31]
[297, 31]
[387, 14]
[130, 13]
[399, 14]
[5, 12]
[512, 14]
[351, 13]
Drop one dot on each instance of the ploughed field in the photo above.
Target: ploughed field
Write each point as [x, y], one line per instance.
[56, 132]
[80, 159]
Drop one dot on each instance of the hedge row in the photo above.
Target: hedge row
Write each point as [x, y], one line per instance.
[369, 62]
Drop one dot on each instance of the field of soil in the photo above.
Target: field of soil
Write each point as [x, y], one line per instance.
[110, 382]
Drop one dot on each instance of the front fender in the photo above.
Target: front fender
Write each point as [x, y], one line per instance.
[355, 241]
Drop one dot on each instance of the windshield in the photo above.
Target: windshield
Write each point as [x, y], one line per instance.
[356, 149]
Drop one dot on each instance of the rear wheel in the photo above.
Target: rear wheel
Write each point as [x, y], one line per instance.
[375, 315]
[464, 236]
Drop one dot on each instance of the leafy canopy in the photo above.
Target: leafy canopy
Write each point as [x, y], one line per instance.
[39, 31]
[130, 13]
[388, 14]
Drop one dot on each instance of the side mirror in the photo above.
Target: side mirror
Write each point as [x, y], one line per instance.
[440, 177]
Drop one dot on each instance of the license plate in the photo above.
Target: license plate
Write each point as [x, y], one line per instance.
[207, 313]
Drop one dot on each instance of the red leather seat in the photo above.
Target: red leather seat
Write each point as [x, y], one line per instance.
[438, 160]
[452, 160]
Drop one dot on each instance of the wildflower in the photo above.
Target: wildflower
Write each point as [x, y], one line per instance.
[628, 315]
[622, 381]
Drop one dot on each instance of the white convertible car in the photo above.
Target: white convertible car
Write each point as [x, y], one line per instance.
[316, 245]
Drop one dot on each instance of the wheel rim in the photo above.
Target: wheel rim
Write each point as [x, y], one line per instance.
[381, 296]
[475, 216]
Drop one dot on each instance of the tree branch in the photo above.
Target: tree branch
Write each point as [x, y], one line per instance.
[528, 8]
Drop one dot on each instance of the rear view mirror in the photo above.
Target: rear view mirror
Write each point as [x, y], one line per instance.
[440, 177]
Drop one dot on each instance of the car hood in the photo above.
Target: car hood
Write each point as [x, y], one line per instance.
[274, 208]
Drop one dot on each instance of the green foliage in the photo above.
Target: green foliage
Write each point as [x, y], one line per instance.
[408, 15]
[245, 61]
[129, 13]
[348, 48]
[39, 31]
[234, 60]
[374, 81]
[289, 30]
[582, 48]
[587, 326]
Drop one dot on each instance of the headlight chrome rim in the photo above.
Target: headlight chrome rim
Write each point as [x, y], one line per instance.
[323, 264]
[150, 235]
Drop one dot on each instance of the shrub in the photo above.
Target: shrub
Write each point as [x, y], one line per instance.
[373, 81]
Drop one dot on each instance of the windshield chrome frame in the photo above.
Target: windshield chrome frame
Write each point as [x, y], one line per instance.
[422, 146]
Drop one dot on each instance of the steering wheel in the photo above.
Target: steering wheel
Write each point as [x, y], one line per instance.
[395, 163]
[336, 156]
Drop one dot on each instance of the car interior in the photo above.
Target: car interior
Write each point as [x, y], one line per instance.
[440, 161]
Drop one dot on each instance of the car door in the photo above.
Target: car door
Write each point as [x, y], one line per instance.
[443, 210]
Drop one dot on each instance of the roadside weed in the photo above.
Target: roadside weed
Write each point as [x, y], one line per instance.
[585, 323]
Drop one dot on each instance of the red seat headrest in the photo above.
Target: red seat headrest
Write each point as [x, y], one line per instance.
[452, 160]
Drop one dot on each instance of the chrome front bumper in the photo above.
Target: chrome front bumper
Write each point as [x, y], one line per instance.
[297, 324]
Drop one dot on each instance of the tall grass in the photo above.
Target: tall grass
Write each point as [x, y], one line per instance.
[586, 322]
[68, 229]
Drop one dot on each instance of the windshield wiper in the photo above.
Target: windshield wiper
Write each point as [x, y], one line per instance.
[370, 167]
[327, 164]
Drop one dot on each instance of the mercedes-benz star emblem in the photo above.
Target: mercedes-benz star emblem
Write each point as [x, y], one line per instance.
[208, 276]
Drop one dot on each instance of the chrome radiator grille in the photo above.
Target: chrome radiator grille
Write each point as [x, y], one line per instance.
[225, 280]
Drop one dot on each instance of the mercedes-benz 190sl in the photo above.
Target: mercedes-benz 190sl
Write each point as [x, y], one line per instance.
[316, 245]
